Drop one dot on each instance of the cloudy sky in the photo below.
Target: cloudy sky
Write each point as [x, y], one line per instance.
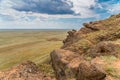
[54, 14]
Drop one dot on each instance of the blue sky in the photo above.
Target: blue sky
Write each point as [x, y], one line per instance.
[54, 14]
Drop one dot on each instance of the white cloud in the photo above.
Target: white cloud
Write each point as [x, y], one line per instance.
[114, 9]
[82, 7]
[21, 18]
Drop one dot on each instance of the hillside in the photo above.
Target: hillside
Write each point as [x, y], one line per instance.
[92, 53]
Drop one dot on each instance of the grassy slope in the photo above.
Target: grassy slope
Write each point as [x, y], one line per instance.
[18, 46]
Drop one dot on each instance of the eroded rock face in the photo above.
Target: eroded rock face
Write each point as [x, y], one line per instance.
[25, 71]
[90, 71]
[65, 64]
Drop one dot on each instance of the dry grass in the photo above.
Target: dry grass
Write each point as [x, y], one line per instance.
[22, 45]
[112, 66]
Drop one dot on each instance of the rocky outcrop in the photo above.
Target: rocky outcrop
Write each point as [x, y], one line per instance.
[70, 66]
[25, 71]
[107, 48]
[70, 38]
[94, 26]
[76, 60]
[65, 63]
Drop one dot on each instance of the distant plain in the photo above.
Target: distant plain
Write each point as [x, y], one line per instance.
[17, 46]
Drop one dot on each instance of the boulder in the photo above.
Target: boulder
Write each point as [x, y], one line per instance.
[65, 64]
[89, 71]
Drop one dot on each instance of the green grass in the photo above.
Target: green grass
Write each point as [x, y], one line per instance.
[19, 46]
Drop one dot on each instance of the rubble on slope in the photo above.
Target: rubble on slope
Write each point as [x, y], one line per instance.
[25, 71]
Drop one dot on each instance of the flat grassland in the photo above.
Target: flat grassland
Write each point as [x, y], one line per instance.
[17, 46]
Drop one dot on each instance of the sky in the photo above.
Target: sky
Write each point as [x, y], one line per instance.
[54, 14]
